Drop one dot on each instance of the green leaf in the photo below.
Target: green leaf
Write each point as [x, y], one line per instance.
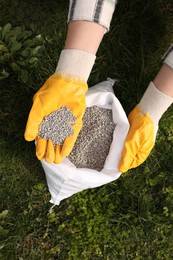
[39, 37]
[16, 46]
[25, 35]
[17, 31]
[5, 58]
[3, 74]
[1, 246]
[24, 76]
[36, 50]
[6, 30]
[3, 48]
[3, 214]
[39, 186]
[33, 60]
[25, 53]
[11, 39]
[14, 66]
[3, 231]
[21, 62]
[28, 43]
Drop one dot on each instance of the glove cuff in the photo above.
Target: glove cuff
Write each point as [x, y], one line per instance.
[75, 63]
[154, 103]
[168, 57]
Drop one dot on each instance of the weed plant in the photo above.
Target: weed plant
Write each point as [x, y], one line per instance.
[19, 52]
[129, 219]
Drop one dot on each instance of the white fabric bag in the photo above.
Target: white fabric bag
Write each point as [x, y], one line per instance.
[65, 179]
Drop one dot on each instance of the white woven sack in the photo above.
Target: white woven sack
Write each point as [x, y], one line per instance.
[65, 179]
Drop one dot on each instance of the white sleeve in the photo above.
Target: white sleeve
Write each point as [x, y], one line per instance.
[98, 11]
[168, 57]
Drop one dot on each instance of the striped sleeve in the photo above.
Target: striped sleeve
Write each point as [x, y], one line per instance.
[168, 57]
[98, 11]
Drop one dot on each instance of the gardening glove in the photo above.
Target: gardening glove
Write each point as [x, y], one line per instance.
[143, 121]
[66, 87]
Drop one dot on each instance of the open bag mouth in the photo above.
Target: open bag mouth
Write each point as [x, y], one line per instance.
[66, 179]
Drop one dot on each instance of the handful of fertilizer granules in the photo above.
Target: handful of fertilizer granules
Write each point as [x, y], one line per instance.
[93, 143]
[57, 126]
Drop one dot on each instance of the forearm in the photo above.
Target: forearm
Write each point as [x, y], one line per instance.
[164, 80]
[87, 23]
[159, 94]
[84, 35]
[82, 41]
[144, 118]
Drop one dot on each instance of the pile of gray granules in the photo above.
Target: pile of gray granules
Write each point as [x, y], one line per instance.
[57, 125]
[93, 143]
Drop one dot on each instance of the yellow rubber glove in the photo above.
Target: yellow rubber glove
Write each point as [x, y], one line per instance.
[57, 91]
[139, 141]
[67, 90]
[61, 91]
[143, 121]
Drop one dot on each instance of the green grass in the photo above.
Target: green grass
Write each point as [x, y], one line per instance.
[130, 218]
